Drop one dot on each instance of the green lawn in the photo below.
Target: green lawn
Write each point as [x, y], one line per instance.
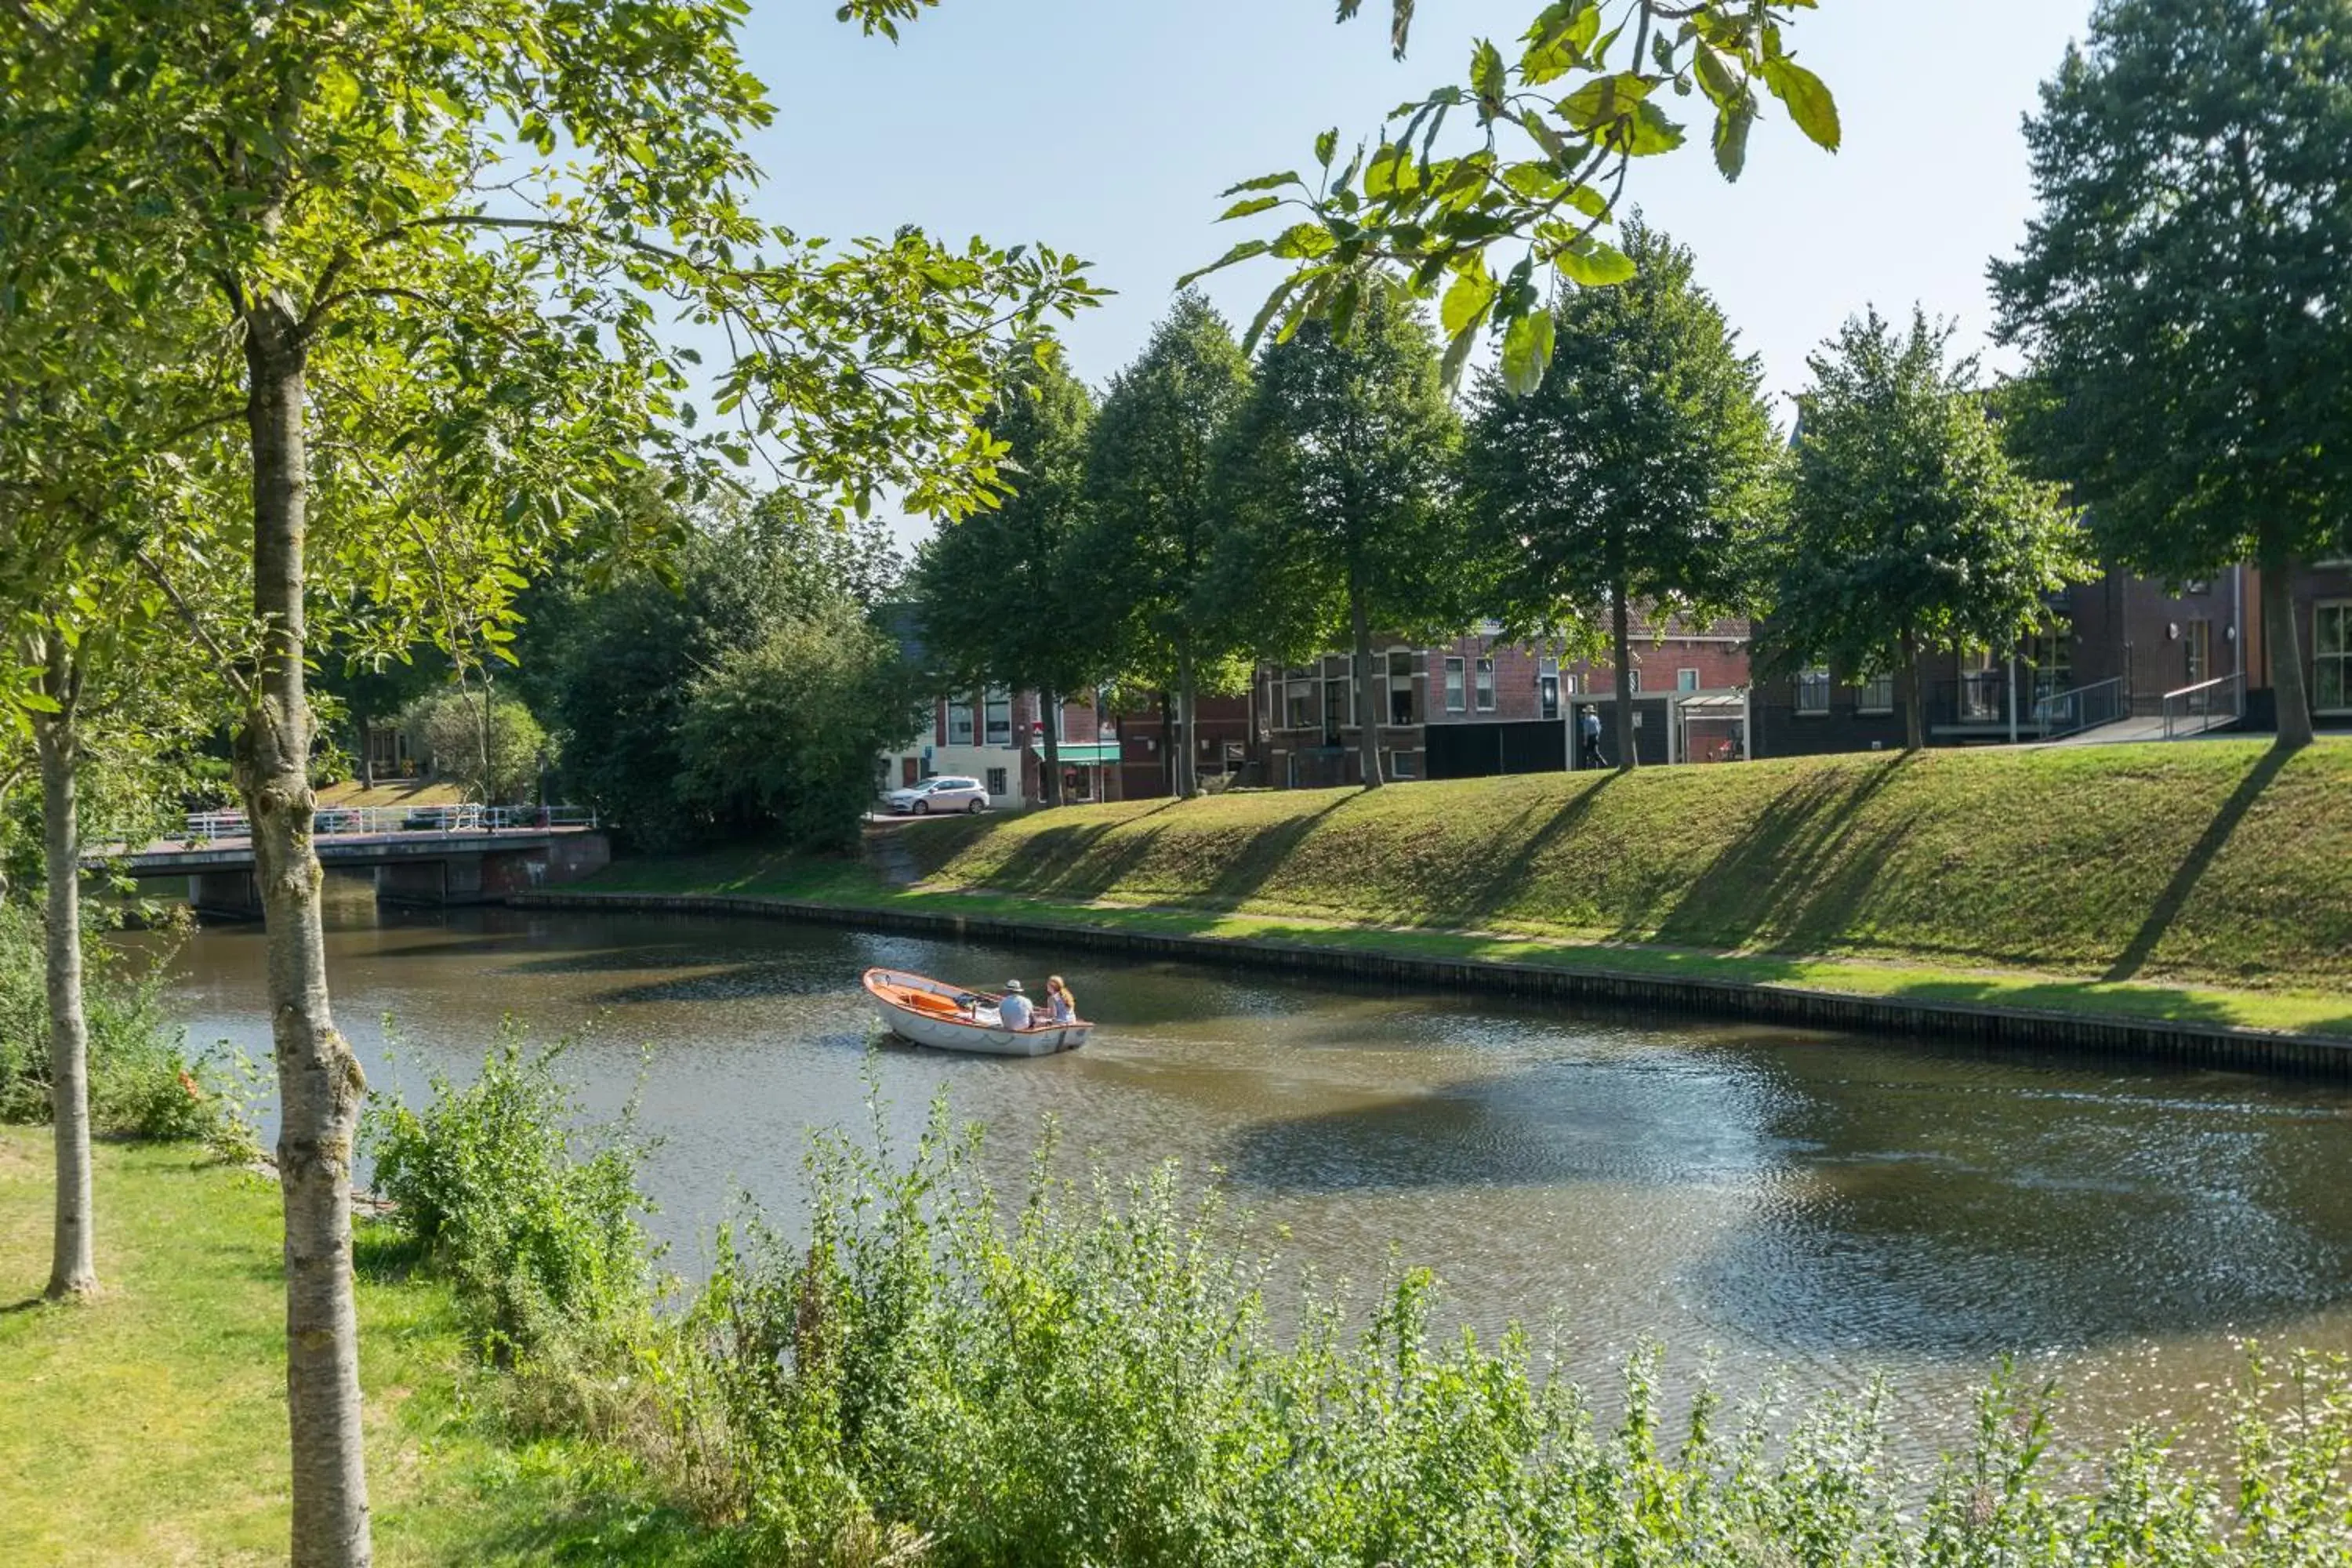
[2207, 881]
[149, 1427]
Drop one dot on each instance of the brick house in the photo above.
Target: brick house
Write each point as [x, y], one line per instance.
[2131, 648]
[998, 737]
[1223, 743]
[1479, 705]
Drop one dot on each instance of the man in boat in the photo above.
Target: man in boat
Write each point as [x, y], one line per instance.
[1013, 1010]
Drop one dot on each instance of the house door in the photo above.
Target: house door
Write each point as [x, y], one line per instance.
[908, 776]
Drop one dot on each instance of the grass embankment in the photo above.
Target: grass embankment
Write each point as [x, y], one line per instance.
[149, 1427]
[2207, 883]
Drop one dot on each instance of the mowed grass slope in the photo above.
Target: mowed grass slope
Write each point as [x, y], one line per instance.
[2213, 862]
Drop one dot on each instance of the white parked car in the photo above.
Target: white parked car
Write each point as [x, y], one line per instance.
[948, 792]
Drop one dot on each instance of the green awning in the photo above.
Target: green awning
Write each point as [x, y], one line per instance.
[1083, 755]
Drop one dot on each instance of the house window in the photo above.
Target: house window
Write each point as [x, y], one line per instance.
[1455, 695]
[1336, 695]
[1686, 680]
[1633, 680]
[2198, 585]
[2198, 637]
[996, 781]
[959, 723]
[1399, 764]
[1299, 708]
[2331, 662]
[1399, 663]
[1571, 683]
[1548, 695]
[1814, 690]
[999, 713]
[1486, 686]
[1876, 695]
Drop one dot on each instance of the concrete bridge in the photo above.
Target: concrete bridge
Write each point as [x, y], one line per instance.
[431, 854]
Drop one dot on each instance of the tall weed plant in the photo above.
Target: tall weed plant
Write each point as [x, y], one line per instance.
[143, 1081]
[533, 1212]
[1088, 1378]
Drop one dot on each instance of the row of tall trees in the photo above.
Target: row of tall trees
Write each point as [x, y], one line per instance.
[1215, 512]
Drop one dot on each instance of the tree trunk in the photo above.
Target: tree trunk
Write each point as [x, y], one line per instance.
[1049, 705]
[2287, 689]
[1188, 768]
[1168, 744]
[1915, 705]
[367, 751]
[73, 1270]
[1622, 639]
[1368, 727]
[320, 1084]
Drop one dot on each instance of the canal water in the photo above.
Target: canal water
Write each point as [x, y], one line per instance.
[1759, 1199]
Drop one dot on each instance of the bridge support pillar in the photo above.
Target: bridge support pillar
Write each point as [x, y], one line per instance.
[230, 892]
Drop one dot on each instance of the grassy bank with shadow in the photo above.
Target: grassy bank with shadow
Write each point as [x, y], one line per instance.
[2207, 883]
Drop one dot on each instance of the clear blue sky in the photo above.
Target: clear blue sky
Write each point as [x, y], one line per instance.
[1107, 127]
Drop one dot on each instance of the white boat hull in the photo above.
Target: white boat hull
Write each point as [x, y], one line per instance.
[960, 1020]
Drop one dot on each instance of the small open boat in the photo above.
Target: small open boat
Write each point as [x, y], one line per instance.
[951, 1019]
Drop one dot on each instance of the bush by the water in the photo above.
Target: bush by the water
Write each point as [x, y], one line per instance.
[143, 1081]
[1089, 1377]
[532, 1214]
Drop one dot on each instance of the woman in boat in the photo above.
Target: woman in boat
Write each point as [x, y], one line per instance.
[1061, 1007]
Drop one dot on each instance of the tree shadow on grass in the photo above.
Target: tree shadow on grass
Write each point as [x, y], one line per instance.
[1802, 869]
[2193, 867]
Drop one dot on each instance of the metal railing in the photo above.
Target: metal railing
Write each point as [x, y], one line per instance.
[2063, 713]
[2208, 705]
[357, 821]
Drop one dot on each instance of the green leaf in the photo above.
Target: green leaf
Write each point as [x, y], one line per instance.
[1327, 146]
[1265, 182]
[1605, 100]
[1466, 301]
[1526, 352]
[1247, 206]
[1557, 42]
[1731, 127]
[1304, 242]
[1488, 78]
[1593, 264]
[1807, 98]
[1241, 252]
[1646, 133]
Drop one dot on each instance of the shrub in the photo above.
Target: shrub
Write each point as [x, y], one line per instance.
[1090, 1380]
[142, 1081]
[534, 1215]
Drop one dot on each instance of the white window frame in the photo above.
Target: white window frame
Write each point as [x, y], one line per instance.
[1876, 695]
[997, 782]
[1484, 672]
[2340, 656]
[1633, 681]
[970, 714]
[1458, 685]
[1813, 683]
[1687, 678]
[991, 700]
